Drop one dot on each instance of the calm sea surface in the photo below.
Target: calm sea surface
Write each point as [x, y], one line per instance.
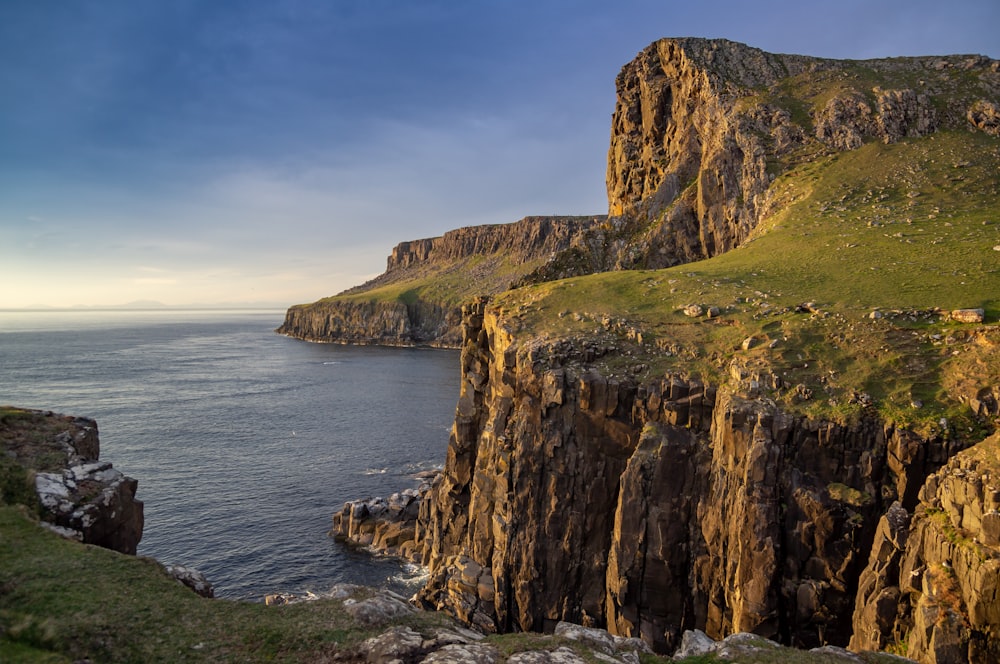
[244, 442]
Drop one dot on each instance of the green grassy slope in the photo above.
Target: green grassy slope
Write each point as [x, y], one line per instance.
[905, 228]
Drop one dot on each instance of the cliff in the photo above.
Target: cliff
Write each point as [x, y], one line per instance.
[933, 578]
[668, 504]
[52, 461]
[718, 443]
[417, 300]
[714, 446]
[702, 127]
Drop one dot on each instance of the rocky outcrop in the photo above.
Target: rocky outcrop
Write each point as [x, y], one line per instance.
[79, 496]
[702, 127]
[94, 501]
[655, 507]
[523, 241]
[478, 260]
[387, 525]
[932, 583]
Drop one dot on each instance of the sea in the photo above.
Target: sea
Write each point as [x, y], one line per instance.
[244, 442]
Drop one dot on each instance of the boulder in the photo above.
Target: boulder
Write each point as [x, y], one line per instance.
[192, 578]
[97, 501]
[967, 315]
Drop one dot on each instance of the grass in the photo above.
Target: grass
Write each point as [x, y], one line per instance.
[907, 229]
[29, 437]
[65, 601]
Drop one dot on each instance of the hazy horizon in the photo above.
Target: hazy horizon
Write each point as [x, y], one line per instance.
[194, 153]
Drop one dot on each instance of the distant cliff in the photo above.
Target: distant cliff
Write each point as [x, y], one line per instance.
[417, 300]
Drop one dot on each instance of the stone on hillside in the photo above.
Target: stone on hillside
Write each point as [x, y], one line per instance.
[559, 656]
[397, 644]
[191, 578]
[597, 639]
[476, 653]
[839, 653]
[378, 610]
[693, 310]
[967, 315]
[695, 642]
[985, 116]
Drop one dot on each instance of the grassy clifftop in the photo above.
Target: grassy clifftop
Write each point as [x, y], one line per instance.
[845, 287]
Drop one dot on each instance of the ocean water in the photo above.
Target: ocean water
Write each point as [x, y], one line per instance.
[244, 442]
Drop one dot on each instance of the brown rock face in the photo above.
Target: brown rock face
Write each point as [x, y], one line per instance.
[675, 127]
[702, 126]
[932, 583]
[651, 508]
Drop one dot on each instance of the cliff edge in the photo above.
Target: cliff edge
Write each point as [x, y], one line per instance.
[51, 461]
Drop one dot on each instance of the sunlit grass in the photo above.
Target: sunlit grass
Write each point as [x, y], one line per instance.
[907, 229]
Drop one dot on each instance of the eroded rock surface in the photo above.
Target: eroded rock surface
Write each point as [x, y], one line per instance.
[387, 525]
[654, 507]
[932, 583]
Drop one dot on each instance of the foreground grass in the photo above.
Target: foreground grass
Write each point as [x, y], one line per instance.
[63, 601]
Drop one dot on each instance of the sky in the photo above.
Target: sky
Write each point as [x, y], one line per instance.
[272, 152]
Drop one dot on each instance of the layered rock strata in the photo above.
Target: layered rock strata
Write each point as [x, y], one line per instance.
[483, 259]
[652, 508]
[387, 525]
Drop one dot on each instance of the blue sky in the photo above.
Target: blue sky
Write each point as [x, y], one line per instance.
[274, 151]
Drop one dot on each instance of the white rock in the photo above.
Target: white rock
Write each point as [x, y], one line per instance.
[695, 642]
[475, 653]
[596, 639]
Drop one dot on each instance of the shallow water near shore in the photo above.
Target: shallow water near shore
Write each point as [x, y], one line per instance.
[244, 442]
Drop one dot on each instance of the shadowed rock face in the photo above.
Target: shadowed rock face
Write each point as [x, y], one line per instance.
[652, 508]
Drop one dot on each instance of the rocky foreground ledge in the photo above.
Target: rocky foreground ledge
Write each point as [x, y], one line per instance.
[57, 459]
[80, 496]
[406, 634]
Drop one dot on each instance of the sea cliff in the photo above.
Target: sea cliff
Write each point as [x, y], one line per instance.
[657, 506]
[77, 495]
[764, 417]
